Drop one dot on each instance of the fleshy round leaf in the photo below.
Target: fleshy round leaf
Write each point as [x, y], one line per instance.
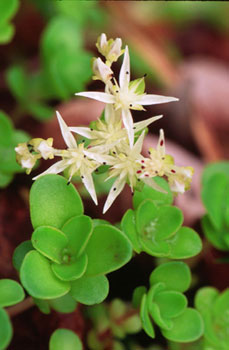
[205, 299]
[213, 195]
[78, 230]
[187, 327]
[64, 339]
[221, 305]
[154, 248]
[158, 198]
[137, 296]
[72, 270]
[6, 130]
[64, 304]
[50, 242]
[151, 221]
[145, 318]
[128, 226]
[175, 275]
[43, 305]
[108, 249]
[53, 202]
[6, 330]
[5, 179]
[90, 290]
[170, 303]
[185, 244]
[39, 280]
[6, 32]
[20, 252]
[8, 9]
[155, 313]
[10, 292]
[214, 236]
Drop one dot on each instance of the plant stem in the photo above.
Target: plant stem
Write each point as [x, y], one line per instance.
[21, 307]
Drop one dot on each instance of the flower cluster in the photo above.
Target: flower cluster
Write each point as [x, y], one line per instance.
[114, 139]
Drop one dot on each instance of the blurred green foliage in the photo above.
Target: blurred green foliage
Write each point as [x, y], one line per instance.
[8, 9]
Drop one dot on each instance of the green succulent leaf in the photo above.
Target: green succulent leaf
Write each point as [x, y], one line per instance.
[185, 244]
[137, 296]
[221, 305]
[40, 110]
[205, 299]
[213, 196]
[145, 318]
[150, 220]
[8, 9]
[72, 270]
[20, 252]
[65, 339]
[187, 327]
[157, 197]
[170, 303]
[50, 242]
[6, 130]
[78, 231]
[175, 275]
[128, 226]
[108, 249]
[6, 32]
[53, 202]
[64, 304]
[215, 237]
[39, 280]
[90, 290]
[17, 82]
[5, 179]
[43, 305]
[10, 292]
[156, 315]
[6, 330]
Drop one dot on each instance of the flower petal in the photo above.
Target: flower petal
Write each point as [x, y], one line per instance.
[129, 125]
[86, 132]
[99, 96]
[124, 75]
[161, 144]
[100, 158]
[54, 169]
[89, 184]
[144, 123]
[154, 99]
[67, 135]
[138, 145]
[115, 190]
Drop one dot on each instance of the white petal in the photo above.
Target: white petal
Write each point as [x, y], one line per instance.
[152, 183]
[138, 145]
[110, 114]
[89, 184]
[161, 144]
[154, 99]
[86, 132]
[124, 75]
[101, 158]
[115, 190]
[67, 135]
[144, 123]
[129, 125]
[177, 187]
[99, 96]
[54, 169]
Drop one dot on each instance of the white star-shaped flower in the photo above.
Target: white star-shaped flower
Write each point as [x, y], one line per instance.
[77, 159]
[126, 96]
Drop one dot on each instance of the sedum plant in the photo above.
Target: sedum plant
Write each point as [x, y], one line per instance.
[69, 255]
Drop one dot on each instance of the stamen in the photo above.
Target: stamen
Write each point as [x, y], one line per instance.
[143, 167]
[114, 189]
[104, 163]
[139, 172]
[68, 183]
[82, 177]
[163, 158]
[85, 156]
[145, 75]
[131, 105]
[149, 152]
[91, 129]
[142, 161]
[161, 143]
[114, 152]
[147, 175]
[127, 72]
[173, 171]
[134, 127]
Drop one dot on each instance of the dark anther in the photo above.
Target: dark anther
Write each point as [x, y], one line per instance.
[91, 129]
[82, 177]
[161, 143]
[114, 189]
[116, 91]
[96, 170]
[68, 183]
[83, 140]
[143, 167]
[132, 193]
[163, 158]
[131, 105]
[173, 171]
[104, 163]
[134, 127]
[85, 156]
[127, 72]
[139, 180]
[114, 152]
[145, 75]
